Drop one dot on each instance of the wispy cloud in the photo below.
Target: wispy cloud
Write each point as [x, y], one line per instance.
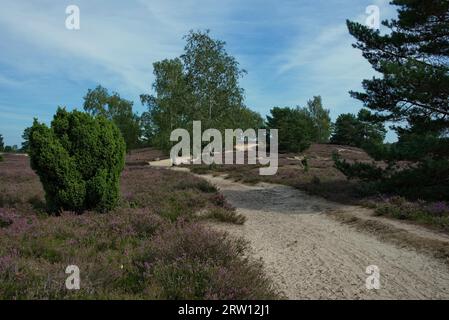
[292, 50]
[324, 61]
[109, 49]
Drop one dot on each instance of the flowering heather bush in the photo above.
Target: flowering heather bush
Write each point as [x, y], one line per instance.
[171, 194]
[134, 252]
[438, 209]
[8, 263]
[13, 223]
[129, 253]
[188, 261]
[432, 213]
[20, 187]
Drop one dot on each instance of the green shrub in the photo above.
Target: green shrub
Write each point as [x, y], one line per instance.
[79, 160]
[426, 179]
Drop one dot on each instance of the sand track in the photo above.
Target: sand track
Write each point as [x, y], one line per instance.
[309, 255]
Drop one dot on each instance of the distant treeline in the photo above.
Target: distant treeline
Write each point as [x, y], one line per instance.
[412, 94]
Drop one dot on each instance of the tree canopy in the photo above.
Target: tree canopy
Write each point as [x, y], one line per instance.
[321, 120]
[202, 84]
[357, 131]
[296, 128]
[26, 139]
[413, 59]
[98, 102]
[412, 93]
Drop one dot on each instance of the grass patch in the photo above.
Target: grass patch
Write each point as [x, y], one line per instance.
[201, 185]
[225, 215]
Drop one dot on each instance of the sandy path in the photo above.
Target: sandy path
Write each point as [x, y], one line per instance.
[312, 256]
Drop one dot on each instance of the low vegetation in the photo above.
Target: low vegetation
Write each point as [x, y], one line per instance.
[434, 214]
[223, 215]
[312, 170]
[152, 246]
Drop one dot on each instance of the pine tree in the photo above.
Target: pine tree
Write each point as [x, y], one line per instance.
[413, 93]
[414, 62]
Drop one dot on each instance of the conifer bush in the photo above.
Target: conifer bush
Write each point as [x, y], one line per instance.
[79, 160]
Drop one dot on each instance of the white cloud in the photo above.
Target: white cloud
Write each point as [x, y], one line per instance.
[110, 49]
[306, 53]
[119, 41]
[326, 63]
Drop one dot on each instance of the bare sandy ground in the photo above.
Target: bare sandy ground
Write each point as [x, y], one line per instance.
[309, 255]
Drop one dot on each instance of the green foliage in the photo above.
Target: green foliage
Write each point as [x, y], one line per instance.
[421, 140]
[79, 160]
[99, 102]
[435, 214]
[299, 127]
[413, 93]
[11, 149]
[296, 128]
[360, 170]
[26, 140]
[345, 130]
[413, 61]
[202, 84]
[213, 77]
[427, 179]
[358, 131]
[321, 120]
[171, 108]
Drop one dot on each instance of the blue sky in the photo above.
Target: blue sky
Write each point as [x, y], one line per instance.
[292, 51]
